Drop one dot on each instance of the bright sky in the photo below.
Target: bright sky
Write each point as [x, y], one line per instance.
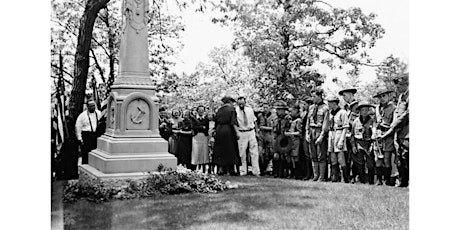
[202, 35]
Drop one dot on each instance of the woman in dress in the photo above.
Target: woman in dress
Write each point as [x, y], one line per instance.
[184, 150]
[173, 124]
[226, 154]
[200, 126]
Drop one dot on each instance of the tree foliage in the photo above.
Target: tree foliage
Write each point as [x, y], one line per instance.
[285, 38]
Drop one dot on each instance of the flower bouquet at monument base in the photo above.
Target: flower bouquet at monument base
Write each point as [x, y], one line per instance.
[154, 184]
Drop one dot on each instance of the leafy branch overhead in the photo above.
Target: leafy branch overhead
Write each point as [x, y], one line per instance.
[286, 38]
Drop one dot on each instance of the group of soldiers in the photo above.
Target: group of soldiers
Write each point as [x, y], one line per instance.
[355, 143]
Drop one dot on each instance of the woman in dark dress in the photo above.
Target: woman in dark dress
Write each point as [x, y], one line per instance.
[225, 153]
[184, 151]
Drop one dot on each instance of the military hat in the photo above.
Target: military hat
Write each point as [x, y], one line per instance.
[364, 104]
[401, 78]
[354, 103]
[280, 105]
[333, 98]
[351, 90]
[91, 102]
[382, 92]
[227, 99]
[306, 98]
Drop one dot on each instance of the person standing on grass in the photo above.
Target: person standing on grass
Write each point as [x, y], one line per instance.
[200, 132]
[294, 132]
[85, 128]
[304, 144]
[247, 128]
[384, 115]
[211, 133]
[173, 125]
[363, 132]
[338, 126]
[280, 125]
[400, 126]
[226, 154]
[348, 96]
[316, 135]
[184, 149]
[266, 139]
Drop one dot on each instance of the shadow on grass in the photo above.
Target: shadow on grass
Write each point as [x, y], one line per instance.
[182, 211]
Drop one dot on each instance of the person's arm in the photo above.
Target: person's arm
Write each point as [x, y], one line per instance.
[324, 128]
[352, 138]
[78, 127]
[346, 125]
[234, 123]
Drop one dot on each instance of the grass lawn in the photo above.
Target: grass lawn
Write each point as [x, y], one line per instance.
[258, 203]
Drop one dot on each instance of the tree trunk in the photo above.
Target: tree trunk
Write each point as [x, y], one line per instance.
[77, 96]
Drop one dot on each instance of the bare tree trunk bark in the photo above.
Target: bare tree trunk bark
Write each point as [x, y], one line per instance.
[77, 96]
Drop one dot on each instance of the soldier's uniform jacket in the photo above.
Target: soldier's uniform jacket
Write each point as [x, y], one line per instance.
[352, 114]
[384, 119]
[401, 117]
[266, 135]
[338, 124]
[295, 128]
[281, 125]
[362, 133]
[318, 120]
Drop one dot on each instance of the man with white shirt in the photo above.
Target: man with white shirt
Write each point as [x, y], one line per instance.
[85, 129]
[247, 133]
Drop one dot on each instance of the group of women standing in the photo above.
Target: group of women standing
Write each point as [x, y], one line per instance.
[204, 140]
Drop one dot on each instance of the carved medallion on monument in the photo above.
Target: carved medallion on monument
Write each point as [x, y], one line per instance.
[138, 115]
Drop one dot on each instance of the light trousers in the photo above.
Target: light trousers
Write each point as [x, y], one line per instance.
[249, 139]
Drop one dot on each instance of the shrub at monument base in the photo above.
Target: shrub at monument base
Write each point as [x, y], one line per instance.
[167, 182]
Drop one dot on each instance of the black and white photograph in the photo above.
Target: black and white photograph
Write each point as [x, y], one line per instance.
[233, 114]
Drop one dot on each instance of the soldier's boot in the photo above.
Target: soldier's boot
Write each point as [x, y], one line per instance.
[371, 175]
[345, 174]
[315, 166]
[404, 177]
[360, 170]
[282, 169]
[309, 169]
[291, 170]
[326, 172]
[379, 171]
[276, 165]
[322, 171]
[335, 173]
[297, 171]
[387, 176]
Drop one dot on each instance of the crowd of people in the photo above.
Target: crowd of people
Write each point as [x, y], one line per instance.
[312, 139]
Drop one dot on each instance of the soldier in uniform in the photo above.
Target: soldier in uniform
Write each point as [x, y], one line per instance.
[338, 126]
[363, 133]
[280, 125]
[266, 138]
[400, 126]
[305, 145]
[384, 115]
[294, 133]
[316, 135]
[348, 96]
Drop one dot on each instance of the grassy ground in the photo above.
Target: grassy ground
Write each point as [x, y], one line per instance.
[258, 203]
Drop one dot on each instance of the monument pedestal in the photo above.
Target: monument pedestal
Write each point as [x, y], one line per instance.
[131, 145]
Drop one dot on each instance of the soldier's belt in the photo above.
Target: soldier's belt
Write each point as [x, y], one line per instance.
[246, 130]
[265, 128]
[337, 129]
[316, 126]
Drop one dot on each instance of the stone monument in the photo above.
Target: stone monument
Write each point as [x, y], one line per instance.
[131, 144]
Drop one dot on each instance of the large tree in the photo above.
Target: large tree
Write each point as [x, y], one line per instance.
[284, 38]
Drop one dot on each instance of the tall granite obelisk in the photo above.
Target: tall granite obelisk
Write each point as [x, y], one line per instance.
[131, 144]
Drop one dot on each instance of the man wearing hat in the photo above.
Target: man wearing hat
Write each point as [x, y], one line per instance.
[316, 135]
[338, 126]
[85, 128]
[348, 96]
[280, 125]
[266, 139]
[400, 126]
[363, 133]
[294, 132]
[384, 115]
